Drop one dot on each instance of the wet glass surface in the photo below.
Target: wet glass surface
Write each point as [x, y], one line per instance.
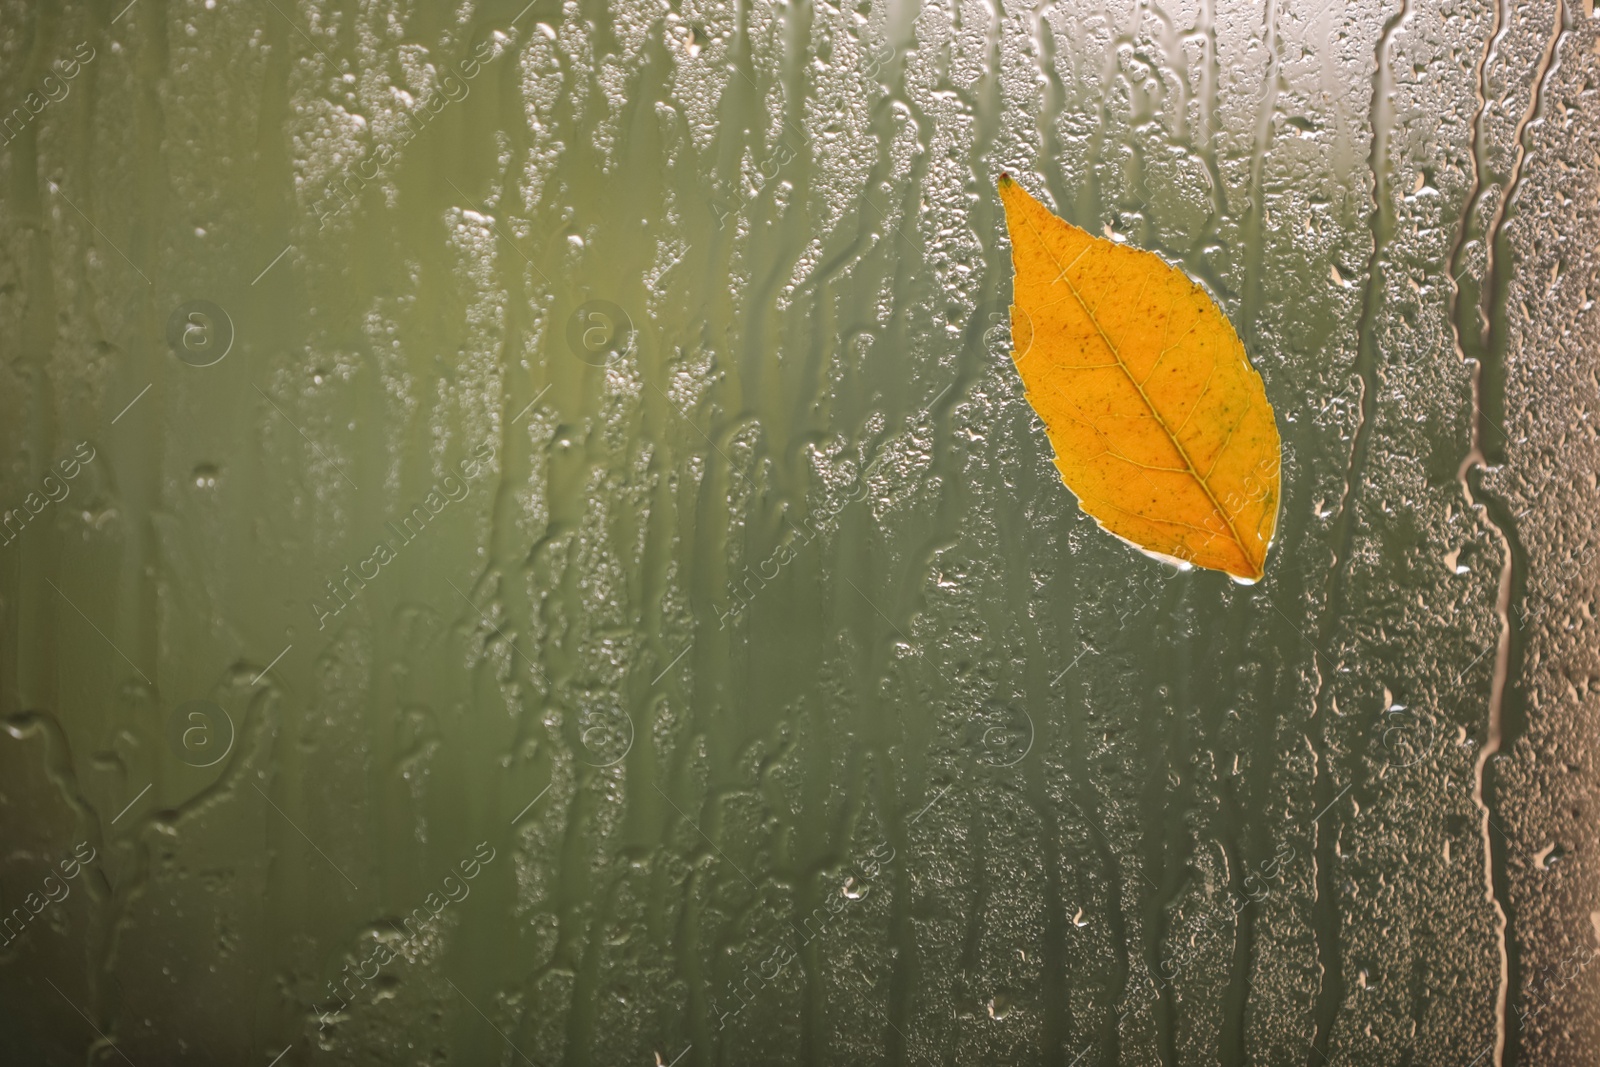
[522, 542]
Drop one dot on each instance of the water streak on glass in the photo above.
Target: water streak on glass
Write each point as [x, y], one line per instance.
[520, 540]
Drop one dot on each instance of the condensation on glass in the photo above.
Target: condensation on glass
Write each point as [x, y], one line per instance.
[523, 543]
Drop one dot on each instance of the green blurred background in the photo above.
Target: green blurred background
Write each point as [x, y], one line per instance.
[522, 543]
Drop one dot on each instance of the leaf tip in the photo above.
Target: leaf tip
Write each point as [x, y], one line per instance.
[1254, 571]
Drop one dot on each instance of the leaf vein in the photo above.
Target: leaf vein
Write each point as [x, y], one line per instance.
[1225, 442]
[1212, 373]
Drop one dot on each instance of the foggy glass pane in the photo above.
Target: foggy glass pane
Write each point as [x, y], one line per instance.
[521, 541]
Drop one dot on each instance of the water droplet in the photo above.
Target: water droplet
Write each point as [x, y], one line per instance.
[1547, 857]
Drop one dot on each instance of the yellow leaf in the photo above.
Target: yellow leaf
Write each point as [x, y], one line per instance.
[1160, 426]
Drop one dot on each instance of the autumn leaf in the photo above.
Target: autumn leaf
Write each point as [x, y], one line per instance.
[1161, 427]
